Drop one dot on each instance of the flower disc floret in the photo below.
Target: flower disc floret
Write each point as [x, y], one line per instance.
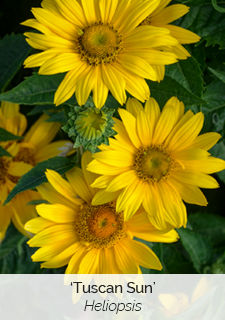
[100, 226]
[153, 164]
[99, 44]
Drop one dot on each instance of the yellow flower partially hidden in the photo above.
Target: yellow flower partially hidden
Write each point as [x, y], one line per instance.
[161, 17]
[98, 45]
[156, 160]
[90, 239]
[34, 148]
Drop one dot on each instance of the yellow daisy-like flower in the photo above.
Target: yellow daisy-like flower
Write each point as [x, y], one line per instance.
[161, 17]
[90, 239]
[97, 43]
[156, 160]
[35, 147]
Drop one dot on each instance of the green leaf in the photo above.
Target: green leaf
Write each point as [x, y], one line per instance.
[57, 117]
[40, 109]
[4, 153]
[220, 9]
[219, 74]
[35, 90]
[188, 74]
[168, 88]
[37, 202]
[198, 247]
[214, 111]
[209, 225]
[13, 51]
[205, 21]
[12, 238]
[8, 136]
[36, 176]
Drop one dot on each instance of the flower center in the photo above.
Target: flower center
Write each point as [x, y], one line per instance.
[25, 155]
[99, 44]
[153, 164]
[101, 226]
[4, 165]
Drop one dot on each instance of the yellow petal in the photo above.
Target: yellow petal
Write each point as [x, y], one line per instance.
[189, 193]
[62, 186]
[125, 259]
[133, 106]
[77, 182]
[206, 141]
[56, 212]
[89, 262]
[144, 256]
[121, 181]
[115, 82]
[130, 124]
[38, 224]
[102, 197]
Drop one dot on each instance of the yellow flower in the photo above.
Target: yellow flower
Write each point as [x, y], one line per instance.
[97, 43]
[156, 160]
[90, 239]
[35, 147]
[161, 17]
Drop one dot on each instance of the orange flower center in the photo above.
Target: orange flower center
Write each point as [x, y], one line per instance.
[99, 44]
[153, 164]
[100, 226]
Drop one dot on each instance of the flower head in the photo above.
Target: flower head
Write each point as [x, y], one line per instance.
[90, 239]
[156, 160]
[99, 47]
[89, 126]
[33, 148]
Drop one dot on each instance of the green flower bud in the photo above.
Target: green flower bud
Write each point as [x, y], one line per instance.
[90, 127]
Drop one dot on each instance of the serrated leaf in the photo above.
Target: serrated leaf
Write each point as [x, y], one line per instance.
[198, 247]
[4, 153]
[219, 74]
[188, 74]
[168, 88]
[37, 89]
[214, 111]
[57, 117]
[8, 136]
[36, 176]
[209, 225]
[13, 51]
[204, 20]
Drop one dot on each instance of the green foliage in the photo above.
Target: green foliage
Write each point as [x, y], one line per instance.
[3, 153]
[198, 247]
[36, 176]
[8, 136]
[13, 51]
[37, 89]
[204, 20]
[169, 87]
